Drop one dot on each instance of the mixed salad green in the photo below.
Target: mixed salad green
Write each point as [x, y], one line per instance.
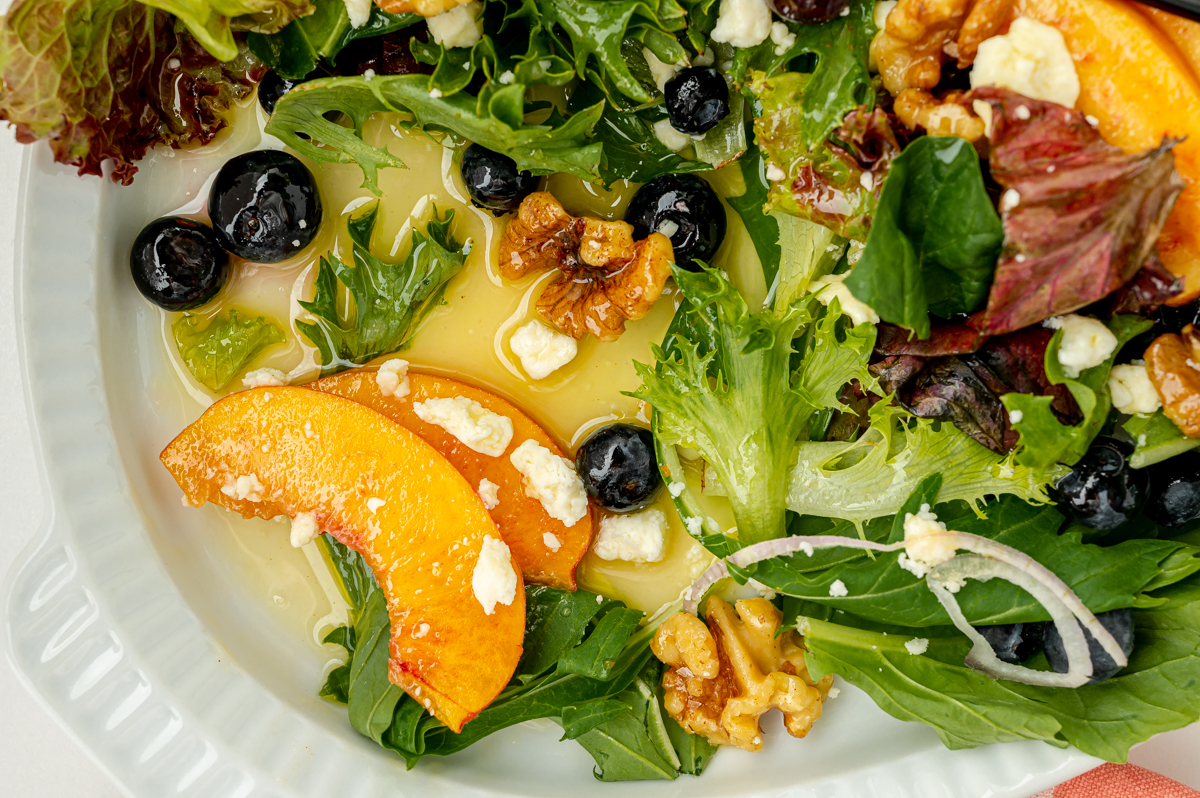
[941, 335]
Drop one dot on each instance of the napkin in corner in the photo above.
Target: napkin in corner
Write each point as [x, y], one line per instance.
[1120, 781]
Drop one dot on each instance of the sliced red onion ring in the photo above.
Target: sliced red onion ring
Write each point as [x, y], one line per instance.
[982, 657]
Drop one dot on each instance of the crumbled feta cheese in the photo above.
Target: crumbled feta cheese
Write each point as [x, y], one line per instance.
[477, 427]
[1015, 416]
[435, 93]
[392, 378]
[924, 552]
[542, 350]
[304, 529]
[263, 378]
[676, 489]
[1022, 112]
[489, 493]
[1131, 389]
[867, 181]
[667, 228]
[1031, 59]
[420, 631]
[833, 286]
[694, 524]
[551, 541]
[669, 137]
[917, 646]
[461, 26]
[882, 9]
[374, 503]
[706, 58]
[368, 74]
[743, 23]
[660, 70]
[244, 488]
[552, 481]
[632, 537]
[359, 11]
[1009, 200]
[494, 581]
[834, 692]
[783, 37]
[1085, 342]
[838, 589]
[807, 549]
[774, 173]
[507, 77]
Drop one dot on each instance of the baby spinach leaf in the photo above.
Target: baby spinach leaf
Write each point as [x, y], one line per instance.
[934, 240]
[337, 683]
[218, 352]
[371, 695]
[555, 622]
[582, 718]
[596, 656]
[694, 751]
[634, 745]
[390, 300]
[1157, 438]
[1044, 439]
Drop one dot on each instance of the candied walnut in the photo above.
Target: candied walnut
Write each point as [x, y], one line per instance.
[945, 116]
[921, 35]
[722, 678]
[426, 8]
[1173, 362]
[606, 277]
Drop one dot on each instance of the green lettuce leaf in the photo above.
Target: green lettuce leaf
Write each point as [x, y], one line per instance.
[213, 22]
[106, 80]
[1154, 694]
[390, 300]
[1044, 439]
[934, 239]
[1156, 438]
[495, 120]
[222, 348]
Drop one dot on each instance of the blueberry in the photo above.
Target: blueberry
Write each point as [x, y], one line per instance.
[1174, 490]
[618, 467]
[697, 99]
[1119, 623]
[1102, 491]
[271, 88]
[1014, 642]
[177, 263]
[493, 181]
[809, 11]
[264, 206]
[686, 210]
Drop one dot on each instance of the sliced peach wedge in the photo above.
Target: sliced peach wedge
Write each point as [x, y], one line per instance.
[388, 495]
[545, 548]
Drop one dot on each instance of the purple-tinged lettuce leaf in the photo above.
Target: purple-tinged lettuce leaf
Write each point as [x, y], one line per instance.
[1080, 216]
[1149, 289]
[947, 338]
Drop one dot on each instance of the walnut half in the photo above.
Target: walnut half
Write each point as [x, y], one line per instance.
[722, 678]
[606, 277]
[1173, 363]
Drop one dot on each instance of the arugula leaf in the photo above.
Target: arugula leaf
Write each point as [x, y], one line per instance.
[596, 656]
[1104, 577]
[1044, 439]
[218, 352]
[213, 22]
[1157, 439]
[295, 51]
[390, 300]
[763, 228]
[633, 745]
[578, 720]
[494, 120]
[555, 622]
[934, 239]
[694, 751]
[1152, 695]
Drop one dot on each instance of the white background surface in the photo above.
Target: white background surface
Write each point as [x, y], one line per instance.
[38, 759]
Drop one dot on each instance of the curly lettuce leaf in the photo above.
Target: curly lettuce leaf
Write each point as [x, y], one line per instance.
[1044, 439]
[934, 239]
[390, 300]
[106, 80]
[495, 120]
[222, 348]
[724, 385]
[213, 22]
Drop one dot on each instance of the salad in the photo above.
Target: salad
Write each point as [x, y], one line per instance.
[671, 362]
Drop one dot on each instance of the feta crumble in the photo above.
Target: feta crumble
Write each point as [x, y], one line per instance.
[304, 529]
[661, 71]
[832, 287]
[922, 552]
[494, 581]
[774, 173]
[782, 37]
[668, 228]
[742, 23]
[264, 378]
[461, 26]
[669, 137]
[392, 378]
[374, 503]
[676, 489]
[834, 692]
[542, 350]
[552, 481]
[507, 77]
[489, 493]
[917, 646]
[551, 541]
[1031, 59]
[1010, 198]
[632, 537]
[838, 589]
[359, 11]
[1086, 342]
[1131, 389]
[1015, 416]
[475, 426]
[435, 94]
[244, 488]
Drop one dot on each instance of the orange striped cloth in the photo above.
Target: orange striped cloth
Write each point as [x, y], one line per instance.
[1120, 781]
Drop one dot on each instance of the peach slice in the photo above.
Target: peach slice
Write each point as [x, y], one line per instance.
[521, 519]
[1134, 80]
[388, 495]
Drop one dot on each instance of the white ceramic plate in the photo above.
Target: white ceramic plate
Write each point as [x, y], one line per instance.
[171, 661]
